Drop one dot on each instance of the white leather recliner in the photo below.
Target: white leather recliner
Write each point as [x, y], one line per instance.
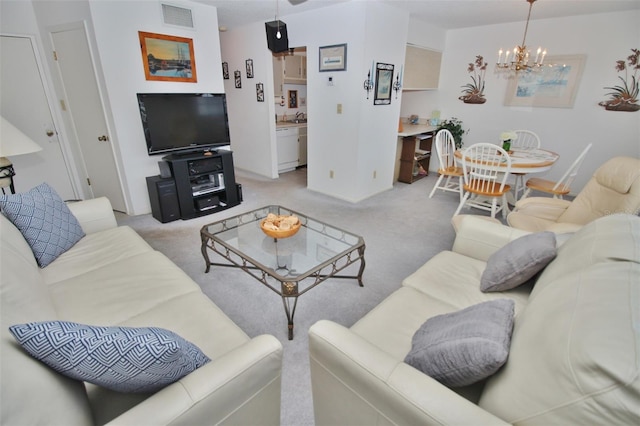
[614, 188]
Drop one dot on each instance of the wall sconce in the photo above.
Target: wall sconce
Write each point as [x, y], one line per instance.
[368, 83]
[398, 83]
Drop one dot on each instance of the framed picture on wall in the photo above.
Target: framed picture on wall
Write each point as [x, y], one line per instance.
[552, 86]
[384, 83]
[249, 66]
[225, 71]
[260, 92]
[167, 58]
[238, 79]
[293, 99]
[333, 58]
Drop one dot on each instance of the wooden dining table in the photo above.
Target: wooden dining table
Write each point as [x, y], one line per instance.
[525, 161]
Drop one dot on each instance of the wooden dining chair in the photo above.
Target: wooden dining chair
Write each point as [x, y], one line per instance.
[561, 187]
[485, 168]
[526, 140]
[449, 172]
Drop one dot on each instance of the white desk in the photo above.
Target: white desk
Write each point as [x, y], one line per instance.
[415, 129]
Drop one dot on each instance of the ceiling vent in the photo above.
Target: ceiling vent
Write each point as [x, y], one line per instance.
[179, 16]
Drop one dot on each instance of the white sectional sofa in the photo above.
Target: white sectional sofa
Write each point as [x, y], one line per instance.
[573, 359]
[112, 277]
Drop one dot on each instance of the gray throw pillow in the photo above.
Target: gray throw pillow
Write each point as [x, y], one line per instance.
[466, 346]
[44, 220]
[518, 261]
[123, 359]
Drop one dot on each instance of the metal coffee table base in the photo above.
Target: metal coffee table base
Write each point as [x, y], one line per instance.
[288, 288]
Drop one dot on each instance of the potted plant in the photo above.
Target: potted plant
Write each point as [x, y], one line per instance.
[474, 92]
[454, 126]
[625, 97]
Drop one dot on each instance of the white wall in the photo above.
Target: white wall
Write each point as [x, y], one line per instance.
[363, 138]
[385, 41]
[604, 38]
[353, 144]
[251, 123]
[434, 38]
[22, 19]
[116, 30]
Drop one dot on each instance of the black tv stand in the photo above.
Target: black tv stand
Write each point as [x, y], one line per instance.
[205, 182]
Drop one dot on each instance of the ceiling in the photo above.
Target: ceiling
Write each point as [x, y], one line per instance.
[446, 14]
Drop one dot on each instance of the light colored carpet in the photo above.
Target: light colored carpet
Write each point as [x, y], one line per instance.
[402, 229]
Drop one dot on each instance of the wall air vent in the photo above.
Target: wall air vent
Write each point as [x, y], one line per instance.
[179, 16]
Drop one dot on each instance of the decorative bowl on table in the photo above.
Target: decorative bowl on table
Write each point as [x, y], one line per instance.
[280, 226]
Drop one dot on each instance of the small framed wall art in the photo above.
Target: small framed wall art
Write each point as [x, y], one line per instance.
[238, 79]
[333, 58]
[225, 70]
[260, 92]
[384, 82]
[167, 58]
[249, 66]
[293, 99]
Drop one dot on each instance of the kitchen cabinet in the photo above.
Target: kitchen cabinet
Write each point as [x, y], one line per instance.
[295, 69]
[278, 76]
[421, 68]
[288, 148]
[288, 69]
[291, 143]
[302, 150]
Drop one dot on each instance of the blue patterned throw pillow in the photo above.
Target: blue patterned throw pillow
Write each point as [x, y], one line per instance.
[123, 359]
[44, 220]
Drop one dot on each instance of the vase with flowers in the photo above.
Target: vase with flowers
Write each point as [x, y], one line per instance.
[474, 92]
[625, 97]
[506, 138]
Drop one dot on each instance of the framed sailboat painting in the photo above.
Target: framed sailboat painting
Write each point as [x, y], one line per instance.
[167, 58]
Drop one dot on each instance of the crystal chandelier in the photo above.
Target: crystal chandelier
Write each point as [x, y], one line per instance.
[519, 59]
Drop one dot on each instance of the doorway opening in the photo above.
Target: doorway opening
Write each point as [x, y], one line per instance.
[290, 89]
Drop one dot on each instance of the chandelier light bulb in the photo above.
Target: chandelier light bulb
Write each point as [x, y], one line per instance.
[522, 59]
[278, 35]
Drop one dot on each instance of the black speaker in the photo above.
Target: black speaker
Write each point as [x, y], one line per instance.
[239, 188]
[274, 43]
[165, 169]
[164, 199]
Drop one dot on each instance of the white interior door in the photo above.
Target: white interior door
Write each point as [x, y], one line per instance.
[24, 103]
[86, 112]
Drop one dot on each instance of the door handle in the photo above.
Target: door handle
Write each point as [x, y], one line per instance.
[103, 138]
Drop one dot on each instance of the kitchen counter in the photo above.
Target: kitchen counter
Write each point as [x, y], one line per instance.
[282, 124]
[416, 129]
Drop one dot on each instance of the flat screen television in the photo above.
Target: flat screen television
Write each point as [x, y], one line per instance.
[184, 121]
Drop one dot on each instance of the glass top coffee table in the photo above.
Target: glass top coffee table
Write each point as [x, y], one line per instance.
[288, 266]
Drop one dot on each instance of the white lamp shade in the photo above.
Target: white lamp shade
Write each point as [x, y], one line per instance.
[14, 142]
